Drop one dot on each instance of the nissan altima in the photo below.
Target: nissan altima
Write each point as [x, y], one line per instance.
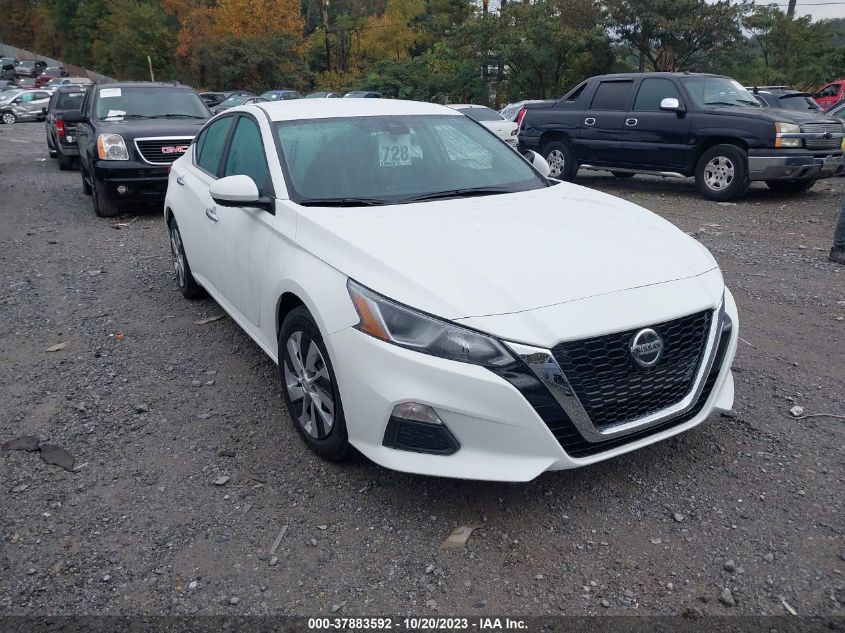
[435, 301]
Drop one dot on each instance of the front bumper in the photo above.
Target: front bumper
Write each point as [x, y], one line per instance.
[793, 165]
[502, 436]
[143, 183]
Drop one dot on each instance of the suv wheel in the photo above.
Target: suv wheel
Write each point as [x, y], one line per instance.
[310, 387]
[790, 186]
[8, 118]
[722, 173]
[184, 277]
[103, 207]
[562, 165]
[65, 162]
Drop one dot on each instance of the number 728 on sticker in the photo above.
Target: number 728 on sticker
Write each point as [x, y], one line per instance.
[394, 151]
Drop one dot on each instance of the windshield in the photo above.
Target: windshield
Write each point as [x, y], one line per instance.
[718, 91]
[149, 102]
[395, 159]
[798, 102]
[481, 114]
[234, 100]
[8, 95]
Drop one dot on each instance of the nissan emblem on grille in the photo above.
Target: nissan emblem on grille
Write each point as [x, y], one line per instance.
[646, 348]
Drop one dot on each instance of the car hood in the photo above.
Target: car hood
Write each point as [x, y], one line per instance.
[140, 128]
[502, 254]
[776, 114]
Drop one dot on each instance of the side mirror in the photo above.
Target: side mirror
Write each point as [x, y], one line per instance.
[538, 162]
[670, 104]
[239, 191]
[73, 116]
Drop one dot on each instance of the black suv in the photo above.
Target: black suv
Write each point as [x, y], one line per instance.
[61, 136]
[682, 124]
[785, 98]
[128, 134]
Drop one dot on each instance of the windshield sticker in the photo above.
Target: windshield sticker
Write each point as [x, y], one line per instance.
[116, 114]
[105, 93]
[394, 150]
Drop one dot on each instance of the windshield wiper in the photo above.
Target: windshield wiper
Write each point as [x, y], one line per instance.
[730, 104]
[177, 116]
[343, 202]
[459, 193]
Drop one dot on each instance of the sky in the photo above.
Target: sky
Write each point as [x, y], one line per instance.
[819, 9]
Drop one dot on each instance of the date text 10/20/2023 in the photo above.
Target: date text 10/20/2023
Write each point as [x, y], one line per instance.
[487, 624]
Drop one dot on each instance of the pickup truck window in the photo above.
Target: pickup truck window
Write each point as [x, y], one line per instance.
[576, 94]
[652, 92]
[612, 95]
[718, 91]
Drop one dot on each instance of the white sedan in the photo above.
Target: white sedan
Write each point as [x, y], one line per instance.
[435, 301]
[492, 120]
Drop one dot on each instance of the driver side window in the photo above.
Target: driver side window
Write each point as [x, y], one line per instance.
[209, 145]
[246, 154]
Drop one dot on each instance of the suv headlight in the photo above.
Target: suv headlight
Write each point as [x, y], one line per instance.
[787, 128]
[400, 325]
[112, 147]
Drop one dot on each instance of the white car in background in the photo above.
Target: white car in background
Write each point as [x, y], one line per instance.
[492, 120]
[435, 301]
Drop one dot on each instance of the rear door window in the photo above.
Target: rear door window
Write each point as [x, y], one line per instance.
[612, 95]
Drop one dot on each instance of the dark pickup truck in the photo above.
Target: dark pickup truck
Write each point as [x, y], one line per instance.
[682, 124]
[128, 134]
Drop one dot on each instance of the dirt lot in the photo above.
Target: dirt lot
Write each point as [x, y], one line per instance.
[154, 408]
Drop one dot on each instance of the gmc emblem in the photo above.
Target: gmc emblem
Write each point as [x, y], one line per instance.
[174, 149]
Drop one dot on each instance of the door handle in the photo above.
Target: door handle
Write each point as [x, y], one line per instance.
[211, 214]
[631, 122]
[180, 181]
[589, 121]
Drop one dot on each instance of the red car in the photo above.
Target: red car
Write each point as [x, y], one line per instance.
[830, 93]
[51, 72]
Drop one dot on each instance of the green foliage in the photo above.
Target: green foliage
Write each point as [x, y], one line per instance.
[442, 50]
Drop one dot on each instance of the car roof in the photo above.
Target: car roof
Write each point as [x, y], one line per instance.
[297, 109]
[658, 74]
[142, 84]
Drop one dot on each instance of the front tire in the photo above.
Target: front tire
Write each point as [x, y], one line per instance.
[790, 186]
[188, 286]
[65, 162]
[561, 162]
[103, 207]
[309, 387]
[721, 173]
[8, 118]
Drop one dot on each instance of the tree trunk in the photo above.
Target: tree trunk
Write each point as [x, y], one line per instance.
[326, 32]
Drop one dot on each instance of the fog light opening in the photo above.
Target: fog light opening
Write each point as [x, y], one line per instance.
[122, 189]
[416, 412]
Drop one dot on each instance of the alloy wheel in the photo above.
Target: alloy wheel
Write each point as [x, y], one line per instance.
[178, 254]
[8, 118]
[309, 385]
[557, 163]
[719, 173]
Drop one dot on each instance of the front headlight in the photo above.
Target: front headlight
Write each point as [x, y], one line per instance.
[402, 326]
[787, 128]
[112, 147]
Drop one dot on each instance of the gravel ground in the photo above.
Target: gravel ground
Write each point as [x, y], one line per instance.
[158, 410]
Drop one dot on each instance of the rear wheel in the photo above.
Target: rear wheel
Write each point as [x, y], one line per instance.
[310, 387]
[65, 162]
[790, 186]
[622, 175]
[184, 277]
[562, 165]
[722, 173]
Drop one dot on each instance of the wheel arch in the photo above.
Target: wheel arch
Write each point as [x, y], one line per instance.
[554, 135]
[712, 141]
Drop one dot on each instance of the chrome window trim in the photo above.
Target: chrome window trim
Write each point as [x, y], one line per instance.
[190, 140]
[542, 363]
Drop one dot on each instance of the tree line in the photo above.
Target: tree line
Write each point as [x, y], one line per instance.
[449, 50]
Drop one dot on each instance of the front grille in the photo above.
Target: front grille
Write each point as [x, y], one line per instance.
[835, 129]
[613, 390]
[162, 151]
